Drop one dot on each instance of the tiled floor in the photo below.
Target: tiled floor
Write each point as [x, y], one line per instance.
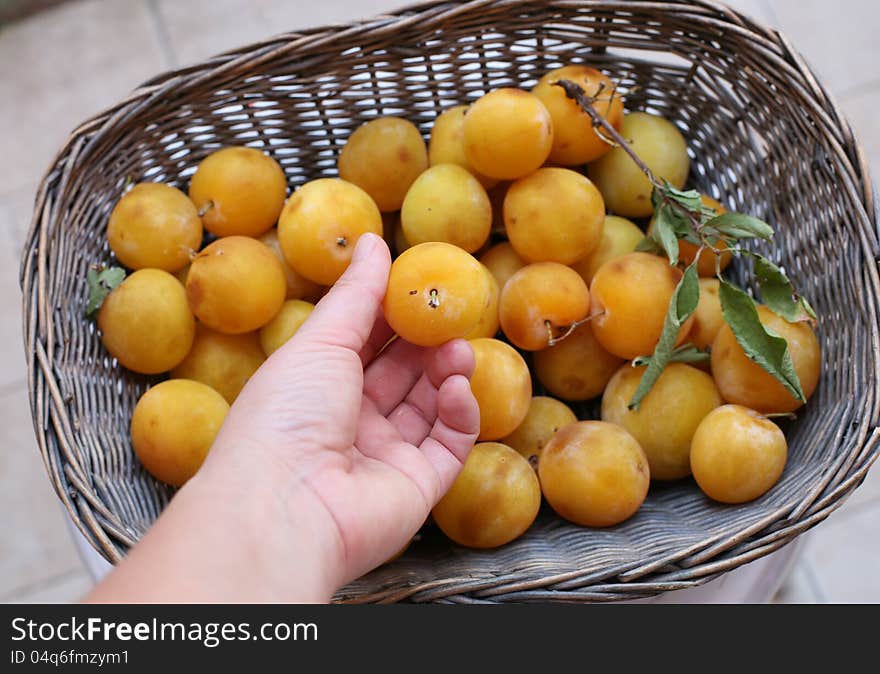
[59, 67]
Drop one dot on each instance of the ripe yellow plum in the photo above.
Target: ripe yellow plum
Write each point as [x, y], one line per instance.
[502, 260]
[154, 225]
[554, 215]
[594, 473]
[223, 362]
[446, 203]
[146, 323]
[660, 145]
[238, 191]
[494, 499]
[502, 385]
[174, 425]
[545, 417]
[737, 454]
[578, 367]
[619, 237]
[508, 134]
[447, 143]
[667, 417]
[298, 287]
[575, 141]
[488, 324]
[285, 324]
[320, 225]
[384, 157]
[235, 285]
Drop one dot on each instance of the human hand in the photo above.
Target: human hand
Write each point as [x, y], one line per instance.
[366, 442]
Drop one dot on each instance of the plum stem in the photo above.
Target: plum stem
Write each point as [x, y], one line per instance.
[434, 301]
[207, 206]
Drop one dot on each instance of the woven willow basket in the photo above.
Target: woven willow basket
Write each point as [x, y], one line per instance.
[765, 137]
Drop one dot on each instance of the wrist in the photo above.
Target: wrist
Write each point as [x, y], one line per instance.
[285, 540]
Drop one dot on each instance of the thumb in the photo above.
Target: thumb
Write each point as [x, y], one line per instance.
[345, 316]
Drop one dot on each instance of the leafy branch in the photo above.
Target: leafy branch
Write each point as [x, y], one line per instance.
[680, 215]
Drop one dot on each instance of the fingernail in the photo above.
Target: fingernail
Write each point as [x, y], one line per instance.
[365, 245]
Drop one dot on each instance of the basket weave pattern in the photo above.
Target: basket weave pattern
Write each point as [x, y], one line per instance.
[765, 138]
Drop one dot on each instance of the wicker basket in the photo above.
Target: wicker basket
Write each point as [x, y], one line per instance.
[765, 137]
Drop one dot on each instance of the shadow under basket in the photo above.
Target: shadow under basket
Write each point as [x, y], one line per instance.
[765, 138]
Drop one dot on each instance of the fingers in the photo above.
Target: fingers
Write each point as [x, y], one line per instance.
[454, 432]
[392, 375]
[377, 340]
[346, 315]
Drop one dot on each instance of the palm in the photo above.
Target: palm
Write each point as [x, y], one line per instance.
[377, 438]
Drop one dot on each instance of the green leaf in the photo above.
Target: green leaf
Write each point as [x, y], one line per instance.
[741, 226]
[681, 306]
[761, 345]
[778, 293]
[648, 245]
[690, 199]
[665, 232]
[101, 281]
[686, 353]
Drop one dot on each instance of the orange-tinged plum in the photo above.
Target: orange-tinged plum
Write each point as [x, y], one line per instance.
[575, 141]
[502, 385]
[744, 382]
[737, 454]
[576, 368]
[554, 215]
[154, 225]
[384, 157]
[494, 499]
[540, 303]
[239, 191]
[236, 285]
[320, 225]
[629, 300]
[507, 134]
[594, 473]
[667, 417]
[436, 292]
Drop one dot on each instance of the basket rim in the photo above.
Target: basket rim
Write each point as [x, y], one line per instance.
[703, 561]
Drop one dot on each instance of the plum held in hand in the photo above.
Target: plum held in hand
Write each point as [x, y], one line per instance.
[436, 292]
[737, 454]
[594, 473]
[320, 226]
[667, 417]
[488, 324]
[235, 285]
[154, 225]
[173, 427]
[146, 323]
[494, 499]
[507, 134]
[384, 157]
[238, 191]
